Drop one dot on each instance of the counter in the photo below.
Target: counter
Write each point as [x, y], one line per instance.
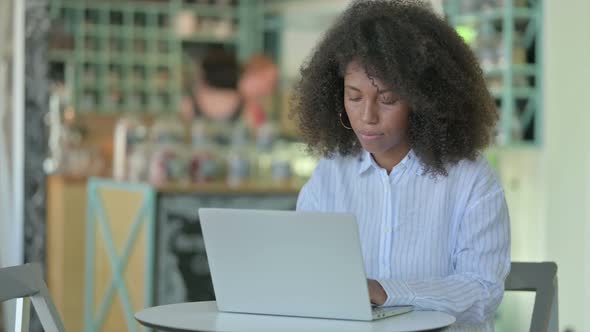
[116, 247]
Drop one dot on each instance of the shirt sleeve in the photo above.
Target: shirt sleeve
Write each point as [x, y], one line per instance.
[481, 262]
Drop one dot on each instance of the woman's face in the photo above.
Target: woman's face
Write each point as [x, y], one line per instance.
[377, 115]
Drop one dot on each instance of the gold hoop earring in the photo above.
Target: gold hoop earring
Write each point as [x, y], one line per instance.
[342, 123]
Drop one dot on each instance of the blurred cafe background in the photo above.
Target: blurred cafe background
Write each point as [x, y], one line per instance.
[120, 118]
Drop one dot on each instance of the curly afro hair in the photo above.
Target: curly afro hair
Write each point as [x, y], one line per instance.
[417, 54]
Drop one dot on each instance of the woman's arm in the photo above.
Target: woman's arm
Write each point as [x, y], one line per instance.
[481, 262]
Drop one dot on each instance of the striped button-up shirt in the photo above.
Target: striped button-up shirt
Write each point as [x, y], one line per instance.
[438, 243]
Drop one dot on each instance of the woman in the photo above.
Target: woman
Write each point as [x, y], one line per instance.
[395, 102]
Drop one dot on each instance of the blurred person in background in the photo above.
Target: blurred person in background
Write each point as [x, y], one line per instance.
[214, 95]
[224, 93]
[256, 86]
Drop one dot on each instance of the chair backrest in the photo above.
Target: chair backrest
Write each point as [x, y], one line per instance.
[25, 282]
[540, 278]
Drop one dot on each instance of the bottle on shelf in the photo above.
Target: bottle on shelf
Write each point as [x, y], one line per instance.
[238, 157]
[129, 132]
[204, 164]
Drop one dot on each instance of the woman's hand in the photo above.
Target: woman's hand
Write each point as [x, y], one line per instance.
[376, 292]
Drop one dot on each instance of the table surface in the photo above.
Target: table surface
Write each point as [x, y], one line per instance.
[204, 316]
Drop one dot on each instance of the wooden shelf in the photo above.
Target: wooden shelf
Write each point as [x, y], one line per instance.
[251, 186]
[223, 187]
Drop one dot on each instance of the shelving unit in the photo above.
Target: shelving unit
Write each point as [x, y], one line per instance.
[511, 57]
[128, 55]
[507, 37]
[282, 18]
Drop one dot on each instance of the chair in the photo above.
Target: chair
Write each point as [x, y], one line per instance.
[25, 284]
[542, 279]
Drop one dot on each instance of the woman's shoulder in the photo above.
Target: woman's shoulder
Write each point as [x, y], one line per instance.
[478, 171]
[479, 164]
[328, 176]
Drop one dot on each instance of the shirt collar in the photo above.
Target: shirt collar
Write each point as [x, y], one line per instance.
[365, 161]
[410, 161]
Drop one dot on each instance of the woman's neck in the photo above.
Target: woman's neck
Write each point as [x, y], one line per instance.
[392, 157]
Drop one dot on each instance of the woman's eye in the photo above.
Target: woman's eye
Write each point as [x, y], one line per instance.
[355, 99]
[388, 100]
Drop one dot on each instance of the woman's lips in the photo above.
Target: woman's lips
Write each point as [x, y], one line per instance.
[369, 136]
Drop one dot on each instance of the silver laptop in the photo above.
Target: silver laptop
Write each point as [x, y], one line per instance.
[288, 263]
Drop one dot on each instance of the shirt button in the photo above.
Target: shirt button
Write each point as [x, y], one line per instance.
[387, 230]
